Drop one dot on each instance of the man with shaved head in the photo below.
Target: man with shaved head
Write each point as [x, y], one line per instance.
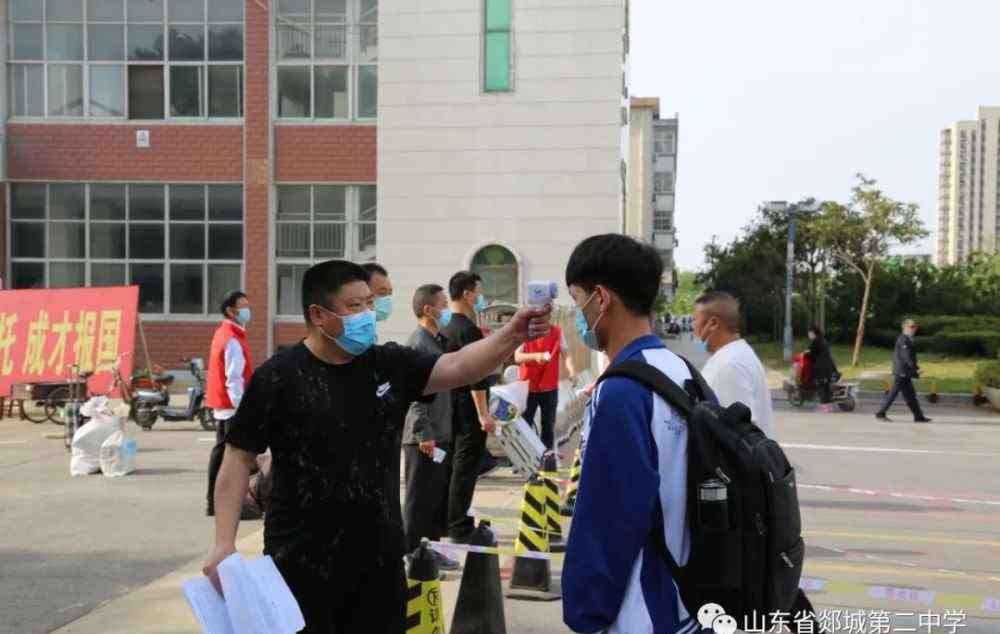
[733, 371]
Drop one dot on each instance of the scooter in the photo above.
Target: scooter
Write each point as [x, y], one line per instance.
[152, 404]
[801, 387]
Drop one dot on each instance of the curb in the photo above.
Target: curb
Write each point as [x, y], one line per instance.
[876, 397]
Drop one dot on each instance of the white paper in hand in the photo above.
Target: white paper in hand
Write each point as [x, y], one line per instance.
[277, 597]
[208, 607]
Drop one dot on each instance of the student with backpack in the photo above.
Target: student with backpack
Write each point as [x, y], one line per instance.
[681, 504]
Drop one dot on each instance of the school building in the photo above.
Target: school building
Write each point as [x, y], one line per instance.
[193, 147]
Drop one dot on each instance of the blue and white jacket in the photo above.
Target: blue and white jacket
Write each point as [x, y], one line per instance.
[615, 580]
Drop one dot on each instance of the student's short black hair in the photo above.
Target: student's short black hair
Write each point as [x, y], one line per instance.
[326, 279]
[622, 264]
[461, 282]
[426, 295]
[373, 268]
[230, 302]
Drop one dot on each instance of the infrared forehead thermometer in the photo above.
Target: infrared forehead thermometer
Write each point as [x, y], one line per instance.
[542, 292]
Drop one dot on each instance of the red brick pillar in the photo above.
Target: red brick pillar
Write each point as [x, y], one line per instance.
[257, 173]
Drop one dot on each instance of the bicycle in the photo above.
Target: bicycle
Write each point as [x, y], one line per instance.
[77, 389]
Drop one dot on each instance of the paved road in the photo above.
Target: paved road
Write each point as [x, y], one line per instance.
[900, 517]
[70, 544]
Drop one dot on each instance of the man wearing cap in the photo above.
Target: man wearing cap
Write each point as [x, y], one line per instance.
[904, 370]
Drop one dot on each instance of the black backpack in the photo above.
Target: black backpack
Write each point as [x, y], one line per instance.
[751, 564]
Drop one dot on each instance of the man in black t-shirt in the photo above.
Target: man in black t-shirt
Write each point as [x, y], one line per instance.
[471, 419]
[328, 409]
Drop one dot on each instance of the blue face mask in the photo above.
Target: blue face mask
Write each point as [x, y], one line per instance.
[445, 318]
[586, 332]
[701, 344]
[480, 303]
[359, 332]
[383, 307]
[243, 316]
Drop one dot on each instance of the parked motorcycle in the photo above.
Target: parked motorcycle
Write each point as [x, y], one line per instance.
[151, 404]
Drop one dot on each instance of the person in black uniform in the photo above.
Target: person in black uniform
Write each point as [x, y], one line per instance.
[471, 419]
[904, 370]
[328, 410]
[824, 369]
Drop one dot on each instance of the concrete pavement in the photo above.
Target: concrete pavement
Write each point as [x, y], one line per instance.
[899, 517]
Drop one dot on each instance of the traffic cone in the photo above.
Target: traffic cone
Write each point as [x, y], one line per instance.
[531, 577]
[479, 609]
[550, 474]
[574, 483]
[424, 605]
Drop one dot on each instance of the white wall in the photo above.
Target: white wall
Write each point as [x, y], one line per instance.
[536, 169]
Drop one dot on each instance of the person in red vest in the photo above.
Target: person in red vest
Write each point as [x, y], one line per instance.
[539, 361]
[229, 371]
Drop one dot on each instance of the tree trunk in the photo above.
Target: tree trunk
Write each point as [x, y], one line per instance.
[862, 318]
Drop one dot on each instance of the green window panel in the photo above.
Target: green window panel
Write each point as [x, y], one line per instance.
[497, 15]
[497, 62]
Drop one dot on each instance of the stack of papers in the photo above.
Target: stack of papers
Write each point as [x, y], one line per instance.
[257, 599]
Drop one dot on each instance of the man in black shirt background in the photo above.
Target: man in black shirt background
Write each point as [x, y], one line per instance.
[328, 409]
[471, 419]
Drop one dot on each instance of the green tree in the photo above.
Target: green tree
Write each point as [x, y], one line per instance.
[860, 234]
[688, 290]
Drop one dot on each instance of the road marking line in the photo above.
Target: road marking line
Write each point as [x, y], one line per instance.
[909, 496]
[13, 442]
[206, 440]
[824, 567]
[858, 449]
[919, 539]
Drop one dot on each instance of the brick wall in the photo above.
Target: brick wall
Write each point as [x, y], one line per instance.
[256, 130]
[170, 341]
[344, 153]
[3, 236]
[108, 152]
[288, 333]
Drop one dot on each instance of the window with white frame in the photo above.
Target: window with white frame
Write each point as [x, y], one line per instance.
[316, 223]
[136, 59]
[327, 53]
[182, 244]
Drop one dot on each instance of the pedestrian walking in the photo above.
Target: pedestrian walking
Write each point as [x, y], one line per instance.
[471, 419]
[904, 369]
[427, 436]
[616, 577]
[824, 368]
[327, 408]
[539, 366]
[734, 371]
[229, 371]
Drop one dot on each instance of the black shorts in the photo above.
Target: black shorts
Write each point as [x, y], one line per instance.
[352, 602]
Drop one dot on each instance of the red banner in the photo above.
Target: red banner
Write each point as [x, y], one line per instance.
[44, 333]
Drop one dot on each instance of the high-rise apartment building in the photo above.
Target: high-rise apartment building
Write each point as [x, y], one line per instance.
[968, 196]
[652, 182]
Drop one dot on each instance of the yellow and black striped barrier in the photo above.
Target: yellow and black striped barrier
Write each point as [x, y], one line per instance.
[550, 479]
[424, 605]
[574, 483]
[531, 577]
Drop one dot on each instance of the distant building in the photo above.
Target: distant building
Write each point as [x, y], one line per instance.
[652, 180]
[968, 196]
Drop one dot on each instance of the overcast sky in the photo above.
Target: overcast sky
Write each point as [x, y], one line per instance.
[782, 99]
